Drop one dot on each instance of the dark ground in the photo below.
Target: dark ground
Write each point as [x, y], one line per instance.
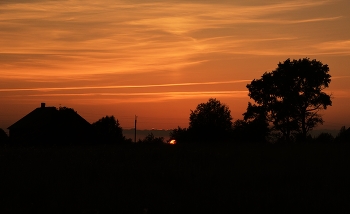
[175, 179]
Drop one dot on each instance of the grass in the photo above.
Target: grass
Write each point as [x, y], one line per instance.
[175, 179]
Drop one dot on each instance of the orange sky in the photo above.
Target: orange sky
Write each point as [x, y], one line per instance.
[159, 59]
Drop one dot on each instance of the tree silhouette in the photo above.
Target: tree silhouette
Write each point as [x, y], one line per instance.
[151, 139]
[291, 96]
[211, 121]
[343, 136]
[71, 128]
[3, 136]
[251, 131]
[181, 135]
[324, 138]
[108, 130]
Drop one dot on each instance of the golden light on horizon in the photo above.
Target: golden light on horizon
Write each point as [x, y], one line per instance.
[172, 142]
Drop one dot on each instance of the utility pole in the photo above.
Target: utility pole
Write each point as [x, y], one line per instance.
[135, 128]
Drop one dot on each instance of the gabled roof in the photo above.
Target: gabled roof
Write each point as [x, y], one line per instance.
[48, 116]
[38, 117]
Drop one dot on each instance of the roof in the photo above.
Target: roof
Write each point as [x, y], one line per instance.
[39, 116]
[45, 116]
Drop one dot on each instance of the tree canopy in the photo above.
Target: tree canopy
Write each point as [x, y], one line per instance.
[108, 130]
[255, 131]
[291, 96]
[210, 121]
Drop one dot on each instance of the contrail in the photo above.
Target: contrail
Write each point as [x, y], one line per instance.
[122, 86]
[182, 93]
[338, 77]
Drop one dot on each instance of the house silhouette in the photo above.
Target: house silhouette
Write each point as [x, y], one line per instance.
[46, 125]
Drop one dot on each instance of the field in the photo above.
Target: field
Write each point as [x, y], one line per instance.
[175, 179]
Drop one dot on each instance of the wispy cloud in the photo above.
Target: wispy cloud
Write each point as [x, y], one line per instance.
[55, 41]
[340, 77]
[144, 97]
[335, 47]
[113, 51]
[75, 38]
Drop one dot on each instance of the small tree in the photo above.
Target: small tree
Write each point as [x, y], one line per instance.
[108, 130]
[291, 96]
[211, 121]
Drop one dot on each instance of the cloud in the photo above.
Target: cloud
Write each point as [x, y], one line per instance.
[126, 93]
[74, 38]
[140, 97]
[335, 47]
[340, 77]
[112, 51]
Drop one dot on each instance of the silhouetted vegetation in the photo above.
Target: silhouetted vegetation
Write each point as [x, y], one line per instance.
[324, 138]
[132, 178]
[343, 135]
[71, 128]
[108, 130]
[291, 96]
[286, 108]
[151, 139]
[205, 171]
[254, 131]
[210, 121]
[181, 135]
[3, 137]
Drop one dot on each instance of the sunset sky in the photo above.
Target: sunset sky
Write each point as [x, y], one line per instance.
[159, 59]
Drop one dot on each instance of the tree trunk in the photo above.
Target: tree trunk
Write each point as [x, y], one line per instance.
[303, 126]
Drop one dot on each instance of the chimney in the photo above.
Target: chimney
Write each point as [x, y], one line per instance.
[42, 105]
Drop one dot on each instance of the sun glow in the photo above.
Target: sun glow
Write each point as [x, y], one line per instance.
[172, 142]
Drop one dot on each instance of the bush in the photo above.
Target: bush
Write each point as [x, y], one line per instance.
[151, 139]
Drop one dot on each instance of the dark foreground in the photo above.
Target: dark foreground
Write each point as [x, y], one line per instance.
[175, 179]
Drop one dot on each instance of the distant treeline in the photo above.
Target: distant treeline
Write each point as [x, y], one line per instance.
[209, 123]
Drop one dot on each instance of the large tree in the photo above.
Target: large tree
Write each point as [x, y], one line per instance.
[291, 96]
[210, 121]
